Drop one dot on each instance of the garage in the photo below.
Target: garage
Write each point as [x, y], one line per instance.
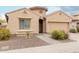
[58, 21]
[58, 26]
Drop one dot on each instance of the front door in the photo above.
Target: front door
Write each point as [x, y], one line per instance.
[40, 26]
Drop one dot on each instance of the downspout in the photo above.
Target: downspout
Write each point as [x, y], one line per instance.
[7, 18]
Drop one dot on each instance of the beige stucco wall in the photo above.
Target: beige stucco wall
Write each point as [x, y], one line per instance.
[58, 21]
[13, 23]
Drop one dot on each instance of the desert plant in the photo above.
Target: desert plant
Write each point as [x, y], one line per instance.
[59, 35]
[73, 30]
[4, 34]
[66, 36]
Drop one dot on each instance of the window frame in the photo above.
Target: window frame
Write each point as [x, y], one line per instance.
[26, 27]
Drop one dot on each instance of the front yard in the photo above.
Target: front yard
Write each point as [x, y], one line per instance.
[20, 42]
[67, 47]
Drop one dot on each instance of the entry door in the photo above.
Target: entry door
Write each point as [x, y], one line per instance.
[40, 26]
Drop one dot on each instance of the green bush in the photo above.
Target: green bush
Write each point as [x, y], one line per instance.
[73, 30]
[59, 35]
[4, 34]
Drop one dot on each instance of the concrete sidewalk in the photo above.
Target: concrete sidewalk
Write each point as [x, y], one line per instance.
[56, 48]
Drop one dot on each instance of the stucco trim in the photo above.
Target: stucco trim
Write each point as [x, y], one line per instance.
[21, 9]
[57, 22]
[38, 7]
[15, 10]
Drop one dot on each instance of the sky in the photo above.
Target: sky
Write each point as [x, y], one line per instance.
[69, 9]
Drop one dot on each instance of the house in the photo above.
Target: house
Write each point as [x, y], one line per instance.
[35, 19]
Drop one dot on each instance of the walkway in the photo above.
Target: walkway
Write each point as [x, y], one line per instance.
[46, 38]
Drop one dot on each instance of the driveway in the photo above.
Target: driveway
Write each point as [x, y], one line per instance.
[68, 47]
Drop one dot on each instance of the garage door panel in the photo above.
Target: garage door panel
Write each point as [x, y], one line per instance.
[58, 26]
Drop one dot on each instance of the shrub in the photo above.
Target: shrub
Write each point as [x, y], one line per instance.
[59, 35]
[66, 36]
[73, 30]
[77, 29]
[4, 34]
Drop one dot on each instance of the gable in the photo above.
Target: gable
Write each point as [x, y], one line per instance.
[59, 17]
[21, 13]
[15, 11]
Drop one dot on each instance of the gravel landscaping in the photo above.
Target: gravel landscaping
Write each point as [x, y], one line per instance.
[20, 42]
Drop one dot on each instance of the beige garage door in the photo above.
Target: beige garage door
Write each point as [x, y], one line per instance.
[58, 26]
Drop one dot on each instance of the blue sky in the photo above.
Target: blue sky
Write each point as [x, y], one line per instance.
[69, 9]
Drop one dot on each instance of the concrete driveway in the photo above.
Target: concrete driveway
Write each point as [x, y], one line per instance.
[68, 47]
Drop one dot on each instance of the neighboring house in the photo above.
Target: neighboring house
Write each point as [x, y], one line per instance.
[75, 21]
[35, 19]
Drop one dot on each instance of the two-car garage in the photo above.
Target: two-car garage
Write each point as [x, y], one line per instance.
[58, 26]
[58, 21]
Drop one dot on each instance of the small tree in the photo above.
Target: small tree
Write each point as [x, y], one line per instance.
[2, 21]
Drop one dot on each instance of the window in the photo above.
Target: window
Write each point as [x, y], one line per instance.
[24, 23]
